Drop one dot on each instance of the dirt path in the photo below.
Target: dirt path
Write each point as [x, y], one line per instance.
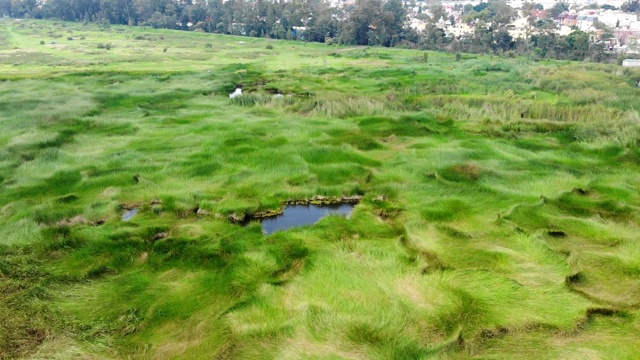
[10, 35]
[5, 36]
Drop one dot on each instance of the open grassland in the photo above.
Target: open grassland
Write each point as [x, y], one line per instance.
[499, 220]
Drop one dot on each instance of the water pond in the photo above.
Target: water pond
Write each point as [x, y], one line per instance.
[300, 215]
[128, 214]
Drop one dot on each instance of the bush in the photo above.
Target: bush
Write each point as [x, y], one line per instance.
[342, 106]
[509, 93]
[458, 57]
[164, 50]
[70, 38]
[41, 42]
[208, 46]
[269, 47]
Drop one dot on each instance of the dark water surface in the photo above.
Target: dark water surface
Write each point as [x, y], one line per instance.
[300, 215]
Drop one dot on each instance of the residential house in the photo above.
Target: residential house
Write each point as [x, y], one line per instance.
[569, 20]
[539, 14]
[585, 22]
[627, 36]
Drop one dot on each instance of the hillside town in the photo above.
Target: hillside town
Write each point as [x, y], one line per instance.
[618, 29]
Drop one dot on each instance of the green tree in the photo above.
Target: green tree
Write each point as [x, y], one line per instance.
[395, 16]
[19, 8]
[215, 16]
[577, 45]
[503, 40]
[558, 9]
[58, 9]
[196, 12]
[432, 37]
[322, 22]
[501, 12]
[5, 8]
[364, 18]
[118, 11]
[160, 20]
[631, 6]
[438, 12]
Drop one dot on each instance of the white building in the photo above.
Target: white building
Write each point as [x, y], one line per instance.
[519, 28]
[631, 63]
[615, 18]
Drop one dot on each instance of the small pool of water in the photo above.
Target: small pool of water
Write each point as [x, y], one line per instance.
[128, 214]
[300, 215]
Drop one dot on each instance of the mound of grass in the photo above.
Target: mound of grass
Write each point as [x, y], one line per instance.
[461, 172]
[445, 210]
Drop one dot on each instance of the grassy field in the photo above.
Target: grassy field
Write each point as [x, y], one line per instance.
[499, 220]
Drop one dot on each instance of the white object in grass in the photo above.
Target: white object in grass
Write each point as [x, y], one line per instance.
[236, 93]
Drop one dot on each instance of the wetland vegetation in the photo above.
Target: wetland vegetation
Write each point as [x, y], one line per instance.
[497, 215]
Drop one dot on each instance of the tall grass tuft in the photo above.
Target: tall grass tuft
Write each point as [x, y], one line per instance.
[341, 107]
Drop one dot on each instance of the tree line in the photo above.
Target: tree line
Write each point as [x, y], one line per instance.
[365, 22]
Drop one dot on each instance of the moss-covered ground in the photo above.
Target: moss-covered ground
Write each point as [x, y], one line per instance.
[499, 220]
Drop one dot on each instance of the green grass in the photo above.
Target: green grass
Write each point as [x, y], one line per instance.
[499, 216]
